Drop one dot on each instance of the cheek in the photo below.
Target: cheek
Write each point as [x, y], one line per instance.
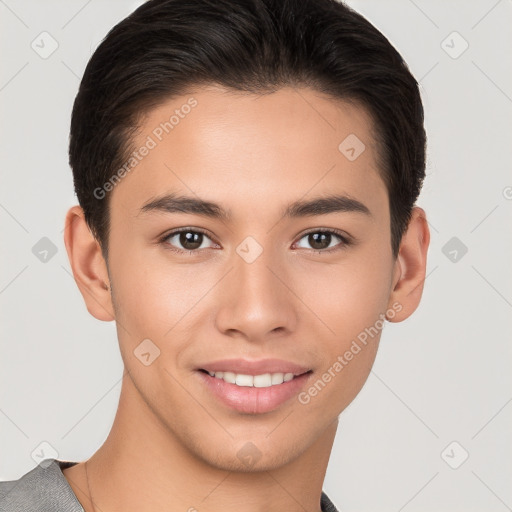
[149, 302]
[158, 300]
[347, 296]
[350, 300]
[140, 293]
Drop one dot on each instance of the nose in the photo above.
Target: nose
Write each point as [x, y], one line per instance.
[257, 300]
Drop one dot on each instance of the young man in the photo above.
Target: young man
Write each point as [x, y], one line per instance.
[247, 172]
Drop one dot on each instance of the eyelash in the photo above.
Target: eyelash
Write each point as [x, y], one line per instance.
[345, 241]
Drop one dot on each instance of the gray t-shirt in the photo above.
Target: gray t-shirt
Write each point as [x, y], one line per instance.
[45, 489]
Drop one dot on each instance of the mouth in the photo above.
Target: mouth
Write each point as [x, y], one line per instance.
[253, 387]
[263, 380]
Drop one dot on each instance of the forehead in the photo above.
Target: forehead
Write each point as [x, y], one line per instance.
[241, 148]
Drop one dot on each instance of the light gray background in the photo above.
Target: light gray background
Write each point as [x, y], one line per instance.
[443, 375]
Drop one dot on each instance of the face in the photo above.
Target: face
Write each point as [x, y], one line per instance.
[256, 285]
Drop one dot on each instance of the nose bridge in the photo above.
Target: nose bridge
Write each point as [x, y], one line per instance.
[252, 270]
[256, 300]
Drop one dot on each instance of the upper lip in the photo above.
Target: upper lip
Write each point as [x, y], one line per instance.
[254, 367]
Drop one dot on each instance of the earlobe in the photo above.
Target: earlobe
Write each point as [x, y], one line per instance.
[88, 265]
[410, 267]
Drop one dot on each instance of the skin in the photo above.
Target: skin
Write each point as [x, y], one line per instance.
[172, 445]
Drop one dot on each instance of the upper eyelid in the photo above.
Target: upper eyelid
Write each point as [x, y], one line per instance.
[186, 230]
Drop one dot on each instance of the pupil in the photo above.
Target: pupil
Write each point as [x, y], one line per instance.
[190, 240]
[317, 240]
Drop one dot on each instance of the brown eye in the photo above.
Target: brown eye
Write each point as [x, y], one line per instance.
[320, 240]
[190, 240]
[325, 240]
[186, 240]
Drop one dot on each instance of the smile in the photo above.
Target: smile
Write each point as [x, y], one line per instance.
[265, 380]
[255, 387]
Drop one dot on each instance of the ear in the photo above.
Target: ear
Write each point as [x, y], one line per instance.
[410, 267]
[88, 265]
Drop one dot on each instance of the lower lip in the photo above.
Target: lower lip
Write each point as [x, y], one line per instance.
[251, 400]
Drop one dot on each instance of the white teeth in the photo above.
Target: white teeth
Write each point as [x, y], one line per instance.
[244, 380]
[228, 377]
[264, 380]
[277, 378]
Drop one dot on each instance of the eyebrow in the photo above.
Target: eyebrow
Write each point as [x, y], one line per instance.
[173, 203]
